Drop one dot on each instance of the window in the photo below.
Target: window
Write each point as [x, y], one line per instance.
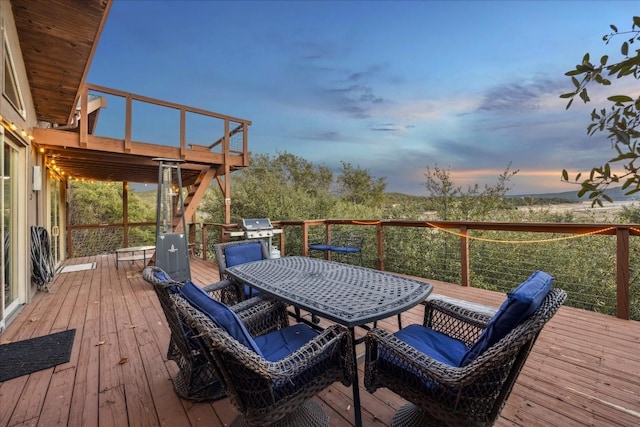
[10, 88]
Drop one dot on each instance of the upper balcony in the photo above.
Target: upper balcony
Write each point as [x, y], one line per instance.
[115, 135]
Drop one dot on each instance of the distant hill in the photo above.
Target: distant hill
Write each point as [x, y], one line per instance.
[520, 199]
[617, 194]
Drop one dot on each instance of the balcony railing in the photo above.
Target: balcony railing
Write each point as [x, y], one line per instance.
[595, 263]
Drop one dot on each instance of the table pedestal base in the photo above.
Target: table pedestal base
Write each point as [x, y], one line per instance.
[412, 416]
[310, 414]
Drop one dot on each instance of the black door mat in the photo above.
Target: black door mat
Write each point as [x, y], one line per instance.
[27, 356]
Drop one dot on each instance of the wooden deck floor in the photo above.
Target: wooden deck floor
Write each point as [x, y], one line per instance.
[584, 369]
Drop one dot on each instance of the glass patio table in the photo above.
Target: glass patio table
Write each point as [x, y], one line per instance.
[346, 294]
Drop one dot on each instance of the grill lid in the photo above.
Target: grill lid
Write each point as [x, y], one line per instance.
[255, 224]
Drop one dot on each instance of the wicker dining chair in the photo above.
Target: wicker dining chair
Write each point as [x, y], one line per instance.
[459, 367]
[272, 377]
[237, 252]
[196, 379]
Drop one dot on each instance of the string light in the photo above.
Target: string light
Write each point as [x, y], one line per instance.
[25, 134]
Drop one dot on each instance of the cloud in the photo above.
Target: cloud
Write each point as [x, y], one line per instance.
[519, 97]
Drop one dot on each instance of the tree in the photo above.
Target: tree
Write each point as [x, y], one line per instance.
[357, 186]
[279, 187]
[619, 120]
[451, 202]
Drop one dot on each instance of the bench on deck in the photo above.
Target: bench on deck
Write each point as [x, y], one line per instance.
[341, 243]
[134, 253]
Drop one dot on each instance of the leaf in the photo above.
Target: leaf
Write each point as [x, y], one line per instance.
[620, 98]
[614, 28]
[569, 104]
[604, 59]
[565, 175]
[584, 96]
[636, 21]
[100, 343]
[575, 82]
[625, 49]
[123, 360]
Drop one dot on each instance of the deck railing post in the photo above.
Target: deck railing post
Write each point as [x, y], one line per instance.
[464, 256]
[205, 245]
[622, 272]
[305, 239]
[125, 214]
[380, 240]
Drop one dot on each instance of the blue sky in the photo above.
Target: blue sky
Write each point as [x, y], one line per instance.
[392, 87]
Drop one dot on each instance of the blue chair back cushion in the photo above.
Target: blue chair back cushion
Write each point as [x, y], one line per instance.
[222, 315]
[239, 254]
[435, 344]
[519, 305]
[279, 344]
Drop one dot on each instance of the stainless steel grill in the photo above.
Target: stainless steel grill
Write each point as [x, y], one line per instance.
[256, 228]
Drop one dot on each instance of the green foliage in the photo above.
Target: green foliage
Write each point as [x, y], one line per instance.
[101, 203]
[451, 202]
[357, 186]
[280, 187]
[629, 214]
[619, 121]
[93, 203]
[289, 187]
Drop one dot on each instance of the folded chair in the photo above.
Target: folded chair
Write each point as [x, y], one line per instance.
[229, 254]
[196, 379]
[272, 377]
[459, 366]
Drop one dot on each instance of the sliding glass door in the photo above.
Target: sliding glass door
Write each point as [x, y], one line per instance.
[8, 251]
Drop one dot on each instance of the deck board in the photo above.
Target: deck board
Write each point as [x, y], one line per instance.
[584, 369]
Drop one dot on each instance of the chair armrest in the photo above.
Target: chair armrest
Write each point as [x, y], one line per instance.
[228, 291]
[262, 315]
[456, 318]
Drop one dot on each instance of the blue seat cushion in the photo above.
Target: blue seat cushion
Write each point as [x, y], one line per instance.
[279, 344]
[320, 247]
[222, 315]
[239, 254]
[345, 249]
[437, 345]
[519, 305]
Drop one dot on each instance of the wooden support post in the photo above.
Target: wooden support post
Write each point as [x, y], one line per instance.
[622, 272]
[305, 239]
[464, 257]
[125, 214]
[380, 245]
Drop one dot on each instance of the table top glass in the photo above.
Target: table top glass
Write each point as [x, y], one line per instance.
[346, 294]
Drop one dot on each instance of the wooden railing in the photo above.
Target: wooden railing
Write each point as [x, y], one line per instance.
[301, 231]
[230, 125]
